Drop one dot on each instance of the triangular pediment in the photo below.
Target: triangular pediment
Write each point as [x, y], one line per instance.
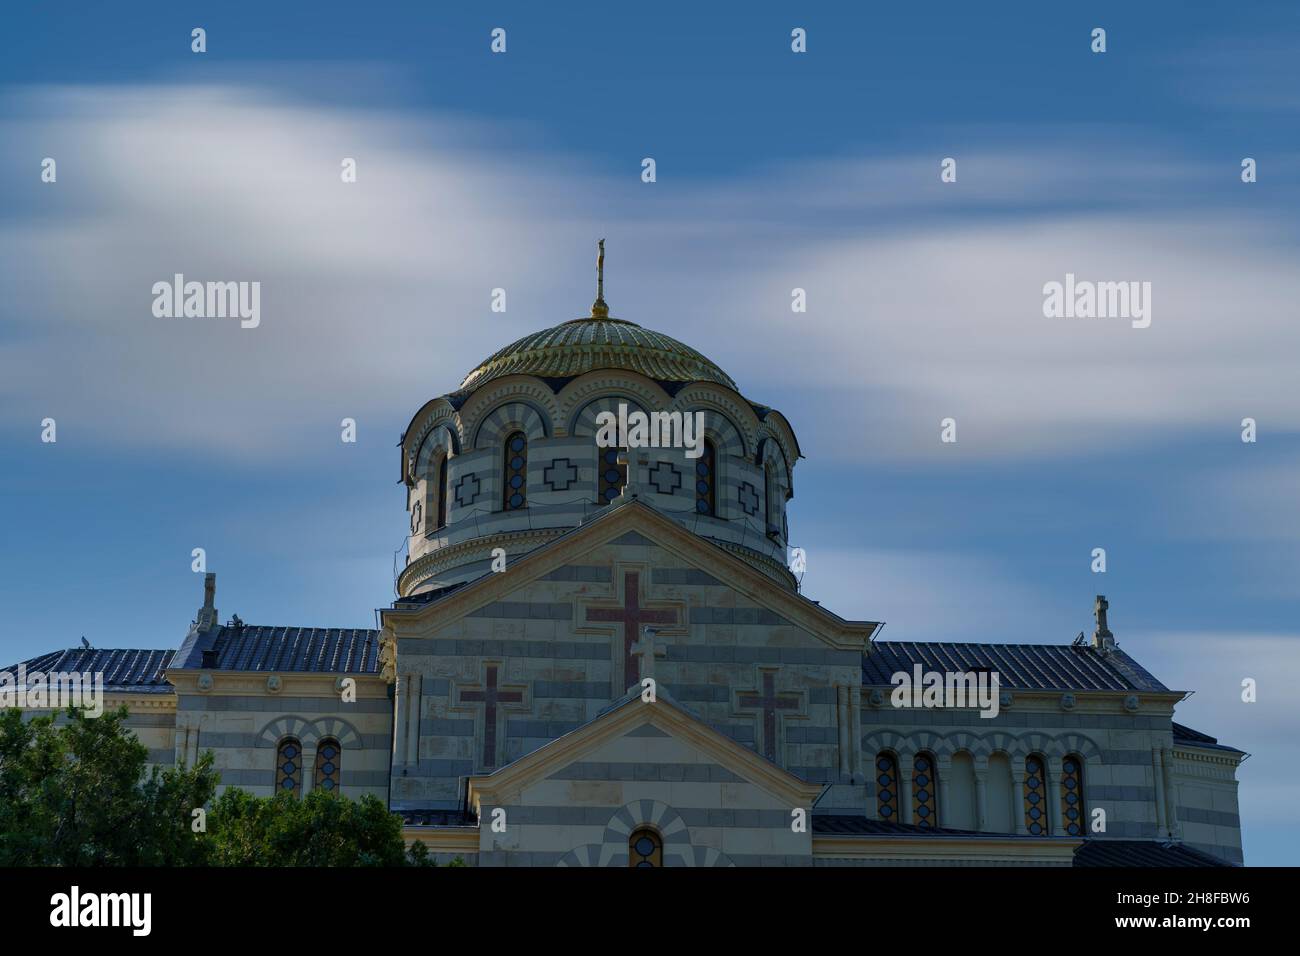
[631, 717]
[636, 522]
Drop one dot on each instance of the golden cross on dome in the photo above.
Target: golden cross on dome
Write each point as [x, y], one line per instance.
[599, 309]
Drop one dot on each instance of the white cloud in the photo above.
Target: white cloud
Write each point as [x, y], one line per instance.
[375, 295]
[1214, 664]
[925, 595]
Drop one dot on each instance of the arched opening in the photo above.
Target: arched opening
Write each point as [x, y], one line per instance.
[329, 765]
[645, 848]
[288, 766]
[514, 478]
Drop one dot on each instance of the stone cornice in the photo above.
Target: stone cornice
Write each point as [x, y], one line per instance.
[975, 848]
[453, 555]
[292, 684]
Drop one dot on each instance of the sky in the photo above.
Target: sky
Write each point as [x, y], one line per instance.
[774, 170]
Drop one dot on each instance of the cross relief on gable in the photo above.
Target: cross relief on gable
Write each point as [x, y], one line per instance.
[628, 618]
[771, 707]
[491, 701]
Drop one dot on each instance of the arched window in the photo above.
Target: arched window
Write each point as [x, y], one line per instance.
[887, 787]
[443, 493]
[706, 480]
[612, 475]
[772, 504]
[329, 762]
[1072, 794]
[1036, 795]
[925, 790]
[288, 766]
[514, 494]
[645, 847]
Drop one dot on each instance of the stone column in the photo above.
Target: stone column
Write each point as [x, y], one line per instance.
[401, 699]
[1018, 797]
[182, 738]
[1171, 795]
[413, 731]
[308, 768]
[943, 766]
[1158, 775]
[1057, 827]
[904, 791]
[981, 797]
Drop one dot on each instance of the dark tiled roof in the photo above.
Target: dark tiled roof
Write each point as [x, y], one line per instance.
[436, 818]
[1141, 853]
[1019, 666]
[1194, 738]
[331, 650]
[847, 825]
[125, 669]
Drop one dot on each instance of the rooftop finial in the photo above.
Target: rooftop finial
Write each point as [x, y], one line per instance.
[599, 309]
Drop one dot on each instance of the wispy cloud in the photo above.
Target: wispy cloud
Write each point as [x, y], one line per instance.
[375, 296]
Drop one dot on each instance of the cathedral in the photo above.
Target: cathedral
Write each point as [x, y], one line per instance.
[599, 656]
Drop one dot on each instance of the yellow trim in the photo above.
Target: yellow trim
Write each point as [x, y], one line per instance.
[461, 840]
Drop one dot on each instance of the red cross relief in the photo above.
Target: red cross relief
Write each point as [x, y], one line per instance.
[632, 616]
[769, 703]
[490, 696]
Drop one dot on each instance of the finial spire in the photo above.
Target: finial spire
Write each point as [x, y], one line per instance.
[599, 309]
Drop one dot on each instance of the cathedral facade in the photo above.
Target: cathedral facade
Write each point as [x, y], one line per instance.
[599, 657]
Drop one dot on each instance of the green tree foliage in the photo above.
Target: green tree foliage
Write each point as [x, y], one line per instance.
[75, 793]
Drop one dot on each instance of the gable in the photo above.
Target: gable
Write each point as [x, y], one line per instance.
[731, 592]
[654, 750]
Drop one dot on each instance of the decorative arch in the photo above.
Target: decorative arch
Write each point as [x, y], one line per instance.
[507, 418]
[633, 388]
[523, 389]
[308, 732]
[437, 445]
[583, 423]
[442, 438]
[639, 814]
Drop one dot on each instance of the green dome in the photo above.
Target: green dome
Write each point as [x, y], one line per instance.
[598, 342]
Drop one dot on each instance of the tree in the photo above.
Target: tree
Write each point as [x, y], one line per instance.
[322, 829]
[76, 794]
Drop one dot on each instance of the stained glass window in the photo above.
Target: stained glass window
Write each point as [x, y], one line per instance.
[1036, 796]
[645, 848]
[329, 761]
[443, 491]
[1072, 795]
[515, 493]
[288, 767]
[705, 481]
[925, 790]
[613, 476]
[887, 787]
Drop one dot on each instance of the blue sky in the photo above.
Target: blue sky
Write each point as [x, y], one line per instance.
[774, 171]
